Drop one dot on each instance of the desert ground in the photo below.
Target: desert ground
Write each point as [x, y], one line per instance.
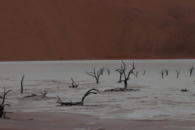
[159, 103]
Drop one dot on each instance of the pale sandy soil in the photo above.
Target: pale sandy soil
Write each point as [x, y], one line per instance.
[158, 99]
[64, 121]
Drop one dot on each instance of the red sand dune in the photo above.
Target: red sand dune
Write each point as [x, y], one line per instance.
[96, 29]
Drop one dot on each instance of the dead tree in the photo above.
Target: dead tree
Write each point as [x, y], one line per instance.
[191, 70]
[97, 73]
[2, 105]
[21, 83]
[120, 71]
[73, 84]
[178, 73]
[79, 103]
[126, 75]
[125, 78]
[162, 74]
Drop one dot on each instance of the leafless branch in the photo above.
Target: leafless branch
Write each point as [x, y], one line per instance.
[97, 73]
[2, 105]
[73, 84]
[125, 76]
[121, 71]
[80, 103]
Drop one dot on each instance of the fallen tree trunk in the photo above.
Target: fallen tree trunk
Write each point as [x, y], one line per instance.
[121, 89]
[79, 103]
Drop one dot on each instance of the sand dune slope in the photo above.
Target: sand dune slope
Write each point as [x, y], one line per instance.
[96, 29]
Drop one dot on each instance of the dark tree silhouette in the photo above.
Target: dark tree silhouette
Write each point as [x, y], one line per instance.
[162, 74]
[2, 105]
[80, 103]
[73, 84]
[184, 90]
[21, 84]
[191, 70]
[120, 71]
[97, 73]
[125, 77]
[126, 74]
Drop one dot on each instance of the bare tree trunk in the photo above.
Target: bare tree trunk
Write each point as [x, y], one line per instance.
[191, 71]
[120, 78]
[125, 84]
[97, 80]
[121, 71]
[22, 86]
[1, 112]
[162, 74]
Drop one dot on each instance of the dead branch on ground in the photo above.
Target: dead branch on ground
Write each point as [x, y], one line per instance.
[184, 90]
[74, 85]
[42, 95]
[79, 103]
